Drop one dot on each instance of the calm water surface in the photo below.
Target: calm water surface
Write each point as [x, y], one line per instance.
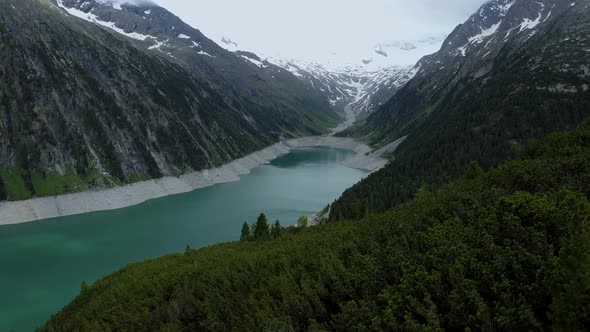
[42, 264]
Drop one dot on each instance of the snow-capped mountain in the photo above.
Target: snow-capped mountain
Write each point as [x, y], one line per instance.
[363, 88]
[364, 83]
[402, 53]
[155, 29]
[127, 90]
[498, 26]
[515, 71]
[479, 51]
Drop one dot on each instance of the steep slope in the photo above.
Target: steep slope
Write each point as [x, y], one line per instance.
[516, 70]
[496, 33]
[162, 33]
[365, 89]
[90, 105]
[503, 251]
[365, 81]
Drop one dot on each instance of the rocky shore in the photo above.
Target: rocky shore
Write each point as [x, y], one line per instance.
[136, 193]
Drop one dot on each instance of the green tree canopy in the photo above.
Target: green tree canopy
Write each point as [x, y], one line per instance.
[275, 230]
[245, 236]
[261, 229]
[302, 222]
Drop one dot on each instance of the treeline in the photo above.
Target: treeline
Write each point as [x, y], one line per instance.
[260, 230]
[507, 250]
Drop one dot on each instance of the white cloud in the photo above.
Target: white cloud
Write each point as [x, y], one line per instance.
[310, 29]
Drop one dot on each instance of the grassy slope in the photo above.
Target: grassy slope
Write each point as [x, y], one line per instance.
[507, 250]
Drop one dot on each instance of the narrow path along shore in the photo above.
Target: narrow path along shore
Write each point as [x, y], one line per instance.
[136, 193]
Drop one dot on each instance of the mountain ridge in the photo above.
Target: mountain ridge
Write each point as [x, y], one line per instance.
[482, 97]
[85, 106]
[365, 84]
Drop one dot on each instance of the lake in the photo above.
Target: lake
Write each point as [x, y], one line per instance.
[43, 263]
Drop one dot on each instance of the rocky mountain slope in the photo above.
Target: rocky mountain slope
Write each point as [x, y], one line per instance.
[95, 95]
[365, 83]
[368, 82]
[364, 89]
[515, 71]
[495, 33]
[164, 34]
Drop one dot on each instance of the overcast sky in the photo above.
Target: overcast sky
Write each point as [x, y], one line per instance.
[307, 28]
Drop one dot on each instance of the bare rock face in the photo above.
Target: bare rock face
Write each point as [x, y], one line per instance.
[96, 95]
[515, 71]
[500, 32]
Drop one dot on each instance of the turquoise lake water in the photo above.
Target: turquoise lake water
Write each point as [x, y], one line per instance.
[42, 264]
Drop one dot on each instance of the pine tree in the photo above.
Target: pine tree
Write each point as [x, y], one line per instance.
[275, 230]
[84, 287]
[261, 229]
[245, 232]
[474, 171]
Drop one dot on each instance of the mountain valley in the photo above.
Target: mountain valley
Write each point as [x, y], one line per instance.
[128, 133]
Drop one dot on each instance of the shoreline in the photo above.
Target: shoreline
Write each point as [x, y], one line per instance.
[35, 209]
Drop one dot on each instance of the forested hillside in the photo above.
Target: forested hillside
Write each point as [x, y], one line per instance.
[505, 250]
[484, 104]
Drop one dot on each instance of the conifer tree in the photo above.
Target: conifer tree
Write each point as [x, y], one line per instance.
[275, 230]
[245, 232]
[261, 229]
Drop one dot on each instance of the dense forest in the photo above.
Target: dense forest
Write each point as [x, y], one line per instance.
[504, 250]
[491, 120]
[483, 125]
[484, 106]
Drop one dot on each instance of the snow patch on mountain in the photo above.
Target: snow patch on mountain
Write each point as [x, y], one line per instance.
[158, 44]
[528, 24]
[401, 53]
[90, 17]
[485, 33]
[361, 88]
[205, 53]
[258, 63]
[364, 82]
[379, 56]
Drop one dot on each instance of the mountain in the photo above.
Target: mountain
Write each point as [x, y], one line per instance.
[514, 71]
[164, 34]
[503, 251]
[365, 82]
[95, 94]
[364, 89]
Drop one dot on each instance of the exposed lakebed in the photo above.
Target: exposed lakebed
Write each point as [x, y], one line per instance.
[43, 263]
